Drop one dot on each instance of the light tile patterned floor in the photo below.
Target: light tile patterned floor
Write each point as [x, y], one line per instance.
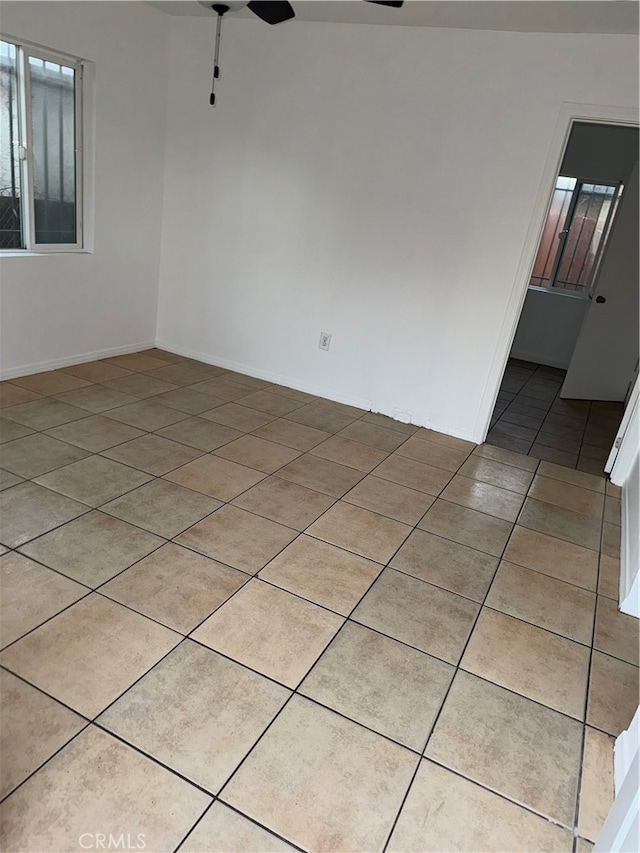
[530, 417]
[239, 618]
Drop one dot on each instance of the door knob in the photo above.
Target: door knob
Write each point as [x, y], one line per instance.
[600, 300]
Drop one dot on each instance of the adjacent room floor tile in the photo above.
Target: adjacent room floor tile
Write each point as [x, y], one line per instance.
[544, 601]
[94, 480]
[475, 494]
[528, 660]
[383, 684]
[238, 538]
[93, 548]
[284, 502]
[223, 830]
[446, 812]
[366, 533]
[415, 475]
[390, 499]
[153, 454]
[257, 453]
[321, 475]
[175, 586]
[613, 693]
[36, 454]
[197, 713]
[523, 750]
[419, 614]
[200, 433]
[353, 454]
[31, 594]
[100, 785]
[554, 557]
[563, 523]
[88, 654]
[271, 631]
[95, 433]
[596, 785]
[43, 413]
[308, 750]
[446, 564]
[33, 728]
[467, 526]
[322, 573]
[28, 510]
[617, 634]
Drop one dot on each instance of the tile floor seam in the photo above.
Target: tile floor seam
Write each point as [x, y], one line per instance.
[53, 755]
[587, 696]
[459, 668]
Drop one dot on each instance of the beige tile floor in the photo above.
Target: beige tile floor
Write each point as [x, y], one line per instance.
[239, 618]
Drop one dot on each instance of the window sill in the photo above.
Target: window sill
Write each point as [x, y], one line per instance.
[29, 253]
[557, 292]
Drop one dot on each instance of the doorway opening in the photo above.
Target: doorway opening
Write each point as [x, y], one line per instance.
[574, 355]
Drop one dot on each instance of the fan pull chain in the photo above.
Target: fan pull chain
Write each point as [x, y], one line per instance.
[216, 55]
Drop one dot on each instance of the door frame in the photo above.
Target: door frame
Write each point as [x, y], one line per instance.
[569, 114]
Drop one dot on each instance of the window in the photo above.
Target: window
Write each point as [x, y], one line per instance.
[40, 150]
[575, 234]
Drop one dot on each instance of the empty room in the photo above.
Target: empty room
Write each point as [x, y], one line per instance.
[319, 427]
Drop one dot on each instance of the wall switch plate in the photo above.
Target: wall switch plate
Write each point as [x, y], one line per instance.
[325, 341]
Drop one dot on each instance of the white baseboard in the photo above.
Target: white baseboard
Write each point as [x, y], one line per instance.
[68, 361]
[308, 387]
[268, 376]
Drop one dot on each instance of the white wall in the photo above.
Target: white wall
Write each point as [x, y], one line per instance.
[548, 328]
[375, 183]
[61, 309]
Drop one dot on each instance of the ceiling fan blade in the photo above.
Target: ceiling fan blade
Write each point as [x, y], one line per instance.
[272, 12]
[395, 3]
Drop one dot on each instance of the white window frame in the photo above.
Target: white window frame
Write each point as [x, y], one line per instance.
[24, 51]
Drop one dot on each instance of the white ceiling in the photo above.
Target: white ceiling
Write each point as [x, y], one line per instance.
[548, 16]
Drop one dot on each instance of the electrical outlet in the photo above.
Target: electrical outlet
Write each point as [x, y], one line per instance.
[325, 341]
